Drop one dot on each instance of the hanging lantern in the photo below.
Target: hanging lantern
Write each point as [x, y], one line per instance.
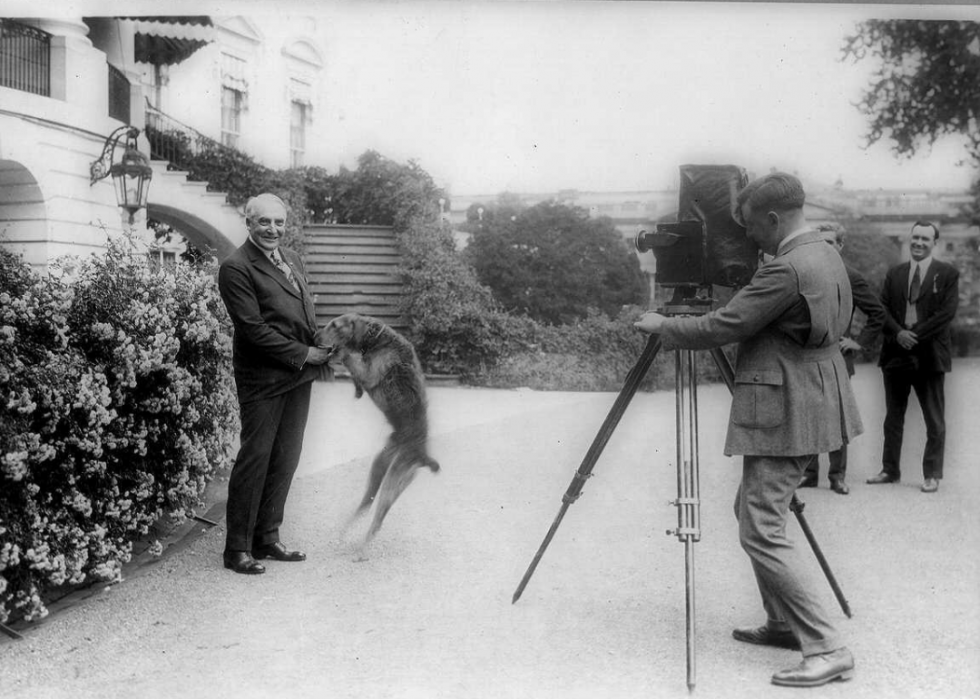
[131, 175]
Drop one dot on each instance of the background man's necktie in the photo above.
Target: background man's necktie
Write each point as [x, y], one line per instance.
[284, 268]
[910, 315]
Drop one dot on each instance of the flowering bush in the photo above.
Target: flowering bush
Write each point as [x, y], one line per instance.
[116, 407]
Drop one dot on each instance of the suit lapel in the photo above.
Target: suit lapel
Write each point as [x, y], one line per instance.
[263, 264]
[902, 292]
[928, 281]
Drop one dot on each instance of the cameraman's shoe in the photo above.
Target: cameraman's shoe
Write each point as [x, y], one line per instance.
[839, 486]
[765, 636]
[816, 670]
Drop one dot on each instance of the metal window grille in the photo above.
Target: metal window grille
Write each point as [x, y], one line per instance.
[119, 95]
[25, 58]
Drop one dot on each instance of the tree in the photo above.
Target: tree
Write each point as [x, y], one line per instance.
[927, 84]
[383, 192]
[553, 263]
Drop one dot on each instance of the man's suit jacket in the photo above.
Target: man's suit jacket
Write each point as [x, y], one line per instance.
[792, 395]
[866, 301]
[274, 323]
[935, 309]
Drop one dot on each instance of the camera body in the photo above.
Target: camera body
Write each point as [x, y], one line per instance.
[707, 246]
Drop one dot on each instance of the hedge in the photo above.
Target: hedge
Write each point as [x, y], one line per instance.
[116, 408]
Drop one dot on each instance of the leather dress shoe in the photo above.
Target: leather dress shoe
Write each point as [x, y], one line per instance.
[839, 486]
[930, 486]
[242, 562]
[808, 482]
[765, 636]
[883, 478]
[278, 552]
[816, 670]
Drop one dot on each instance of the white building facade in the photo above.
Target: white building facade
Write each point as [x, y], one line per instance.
[67, 83]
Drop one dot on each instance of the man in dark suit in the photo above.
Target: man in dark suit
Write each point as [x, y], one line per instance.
[867, 302]
[920, 299]
[265, 291]
[792, 399]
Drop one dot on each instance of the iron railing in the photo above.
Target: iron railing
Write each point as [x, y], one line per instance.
[225, 169]
[119, 95]
[25, 58]
[177, 143]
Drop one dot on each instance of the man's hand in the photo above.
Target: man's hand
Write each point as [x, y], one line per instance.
[317, 356]
[907, 339]
[650, 322]
[849, 345]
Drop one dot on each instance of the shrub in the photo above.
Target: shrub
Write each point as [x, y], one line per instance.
[116, 407]
[453, 320]
[595, 354]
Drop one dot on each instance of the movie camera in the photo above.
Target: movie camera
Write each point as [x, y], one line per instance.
[706, 246]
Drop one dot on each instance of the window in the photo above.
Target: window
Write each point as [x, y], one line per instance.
[300, 114]
[234, 98]
[297, 133]
[231, 116]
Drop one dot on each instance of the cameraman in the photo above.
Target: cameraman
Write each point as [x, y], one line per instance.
[792, 398]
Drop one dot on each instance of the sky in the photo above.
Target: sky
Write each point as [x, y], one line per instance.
[616, 96]
[538, 96]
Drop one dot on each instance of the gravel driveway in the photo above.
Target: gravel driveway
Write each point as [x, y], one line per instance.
[429, 615]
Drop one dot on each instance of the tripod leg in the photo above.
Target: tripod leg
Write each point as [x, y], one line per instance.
[728, 374]
[688, 500]
[626, 394]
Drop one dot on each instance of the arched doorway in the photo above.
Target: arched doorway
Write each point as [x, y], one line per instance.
[197, 231]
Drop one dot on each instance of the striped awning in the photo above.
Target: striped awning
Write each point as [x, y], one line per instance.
[162, 40]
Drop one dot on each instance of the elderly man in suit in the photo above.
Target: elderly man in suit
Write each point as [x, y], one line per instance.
[866, 301]
[792, 398]
[920, 299]
[265, 291]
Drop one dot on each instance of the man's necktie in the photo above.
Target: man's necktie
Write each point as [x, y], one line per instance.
[284, 268]
[910, 315]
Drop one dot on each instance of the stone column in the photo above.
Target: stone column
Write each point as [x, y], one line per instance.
[78, 70]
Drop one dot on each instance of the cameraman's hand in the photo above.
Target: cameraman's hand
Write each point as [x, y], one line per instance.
[317, 356]
[650, 322]
[849, 345]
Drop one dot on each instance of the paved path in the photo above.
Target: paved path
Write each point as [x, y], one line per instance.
[429, 616]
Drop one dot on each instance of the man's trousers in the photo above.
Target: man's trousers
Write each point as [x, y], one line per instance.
[762, 508]
[929, 388]
[271, 443]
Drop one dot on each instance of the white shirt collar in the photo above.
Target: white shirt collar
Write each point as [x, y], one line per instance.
[267, 253]
[923, 267]
[795, 234]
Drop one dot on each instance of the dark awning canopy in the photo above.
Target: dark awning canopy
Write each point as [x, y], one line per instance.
[161, 40]
[164, 50]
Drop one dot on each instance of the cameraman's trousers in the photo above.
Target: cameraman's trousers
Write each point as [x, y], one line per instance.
[788, 595]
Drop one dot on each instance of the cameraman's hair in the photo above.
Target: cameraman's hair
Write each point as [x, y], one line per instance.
[927, 224]
[254, 201]
[777, 191]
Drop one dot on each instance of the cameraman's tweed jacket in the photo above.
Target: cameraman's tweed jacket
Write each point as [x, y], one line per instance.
[792, 395]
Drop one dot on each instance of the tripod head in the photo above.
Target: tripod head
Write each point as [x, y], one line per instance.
[688, 300]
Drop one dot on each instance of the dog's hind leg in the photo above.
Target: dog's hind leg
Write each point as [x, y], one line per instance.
[379, 467]
[400, 474]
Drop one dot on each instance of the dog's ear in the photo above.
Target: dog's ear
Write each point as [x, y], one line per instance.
[358, 325]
